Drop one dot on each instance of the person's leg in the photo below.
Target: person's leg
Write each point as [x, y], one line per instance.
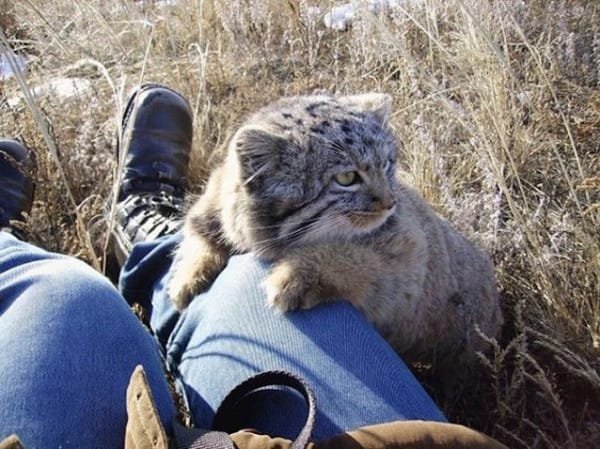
[228, 334]
[68, 345]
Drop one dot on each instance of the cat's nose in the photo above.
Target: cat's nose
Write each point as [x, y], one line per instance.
[388, 202]
[384, 202]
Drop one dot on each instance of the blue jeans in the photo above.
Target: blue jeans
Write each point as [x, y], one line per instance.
[69, 342]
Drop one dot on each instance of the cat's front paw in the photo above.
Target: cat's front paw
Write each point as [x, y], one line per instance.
[182, 288]
[289, 288]
[191, 276]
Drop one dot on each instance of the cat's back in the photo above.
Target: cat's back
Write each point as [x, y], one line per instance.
[460, 282]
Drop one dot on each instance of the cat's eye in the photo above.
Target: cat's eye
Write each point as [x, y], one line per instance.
[347, 178]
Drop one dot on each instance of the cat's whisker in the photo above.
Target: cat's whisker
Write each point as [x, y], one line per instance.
[326, 225]
[298, 235]
[272, 242]
[263, 167]
[287, 239]
[325, 228]
[294, 222]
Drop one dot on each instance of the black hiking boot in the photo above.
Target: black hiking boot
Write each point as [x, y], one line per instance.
[154, 146]
[16, 183]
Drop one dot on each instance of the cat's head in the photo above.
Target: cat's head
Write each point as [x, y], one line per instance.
[313, 168]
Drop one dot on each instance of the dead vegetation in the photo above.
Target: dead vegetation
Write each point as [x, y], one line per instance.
[497, 104]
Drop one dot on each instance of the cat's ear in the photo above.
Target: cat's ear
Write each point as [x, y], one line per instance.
[378, 104]
[257, 150]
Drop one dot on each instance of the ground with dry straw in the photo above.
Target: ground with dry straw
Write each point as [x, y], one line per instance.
[497, 104]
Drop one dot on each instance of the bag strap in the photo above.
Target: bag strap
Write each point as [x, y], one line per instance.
[144, 429]
[225, 418]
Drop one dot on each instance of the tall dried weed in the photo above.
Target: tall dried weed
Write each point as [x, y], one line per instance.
[497, 104]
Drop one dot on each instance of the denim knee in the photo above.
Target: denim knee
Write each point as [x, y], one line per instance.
[55, 284]
[70, 343]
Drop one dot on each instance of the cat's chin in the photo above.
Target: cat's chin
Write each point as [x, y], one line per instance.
[365, 222]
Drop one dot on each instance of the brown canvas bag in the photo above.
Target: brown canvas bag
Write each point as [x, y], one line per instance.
[144, 429]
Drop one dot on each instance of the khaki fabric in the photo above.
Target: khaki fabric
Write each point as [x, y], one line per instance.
[12, 442]
[144, 429]
[249, 440]
[411, 435]
[393, 435]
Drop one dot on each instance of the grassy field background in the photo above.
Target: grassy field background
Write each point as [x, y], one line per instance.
[497, 104]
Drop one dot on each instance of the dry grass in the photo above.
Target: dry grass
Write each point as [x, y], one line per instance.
[497, 104]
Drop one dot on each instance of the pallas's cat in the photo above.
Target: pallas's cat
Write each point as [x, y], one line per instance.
[310, 183]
